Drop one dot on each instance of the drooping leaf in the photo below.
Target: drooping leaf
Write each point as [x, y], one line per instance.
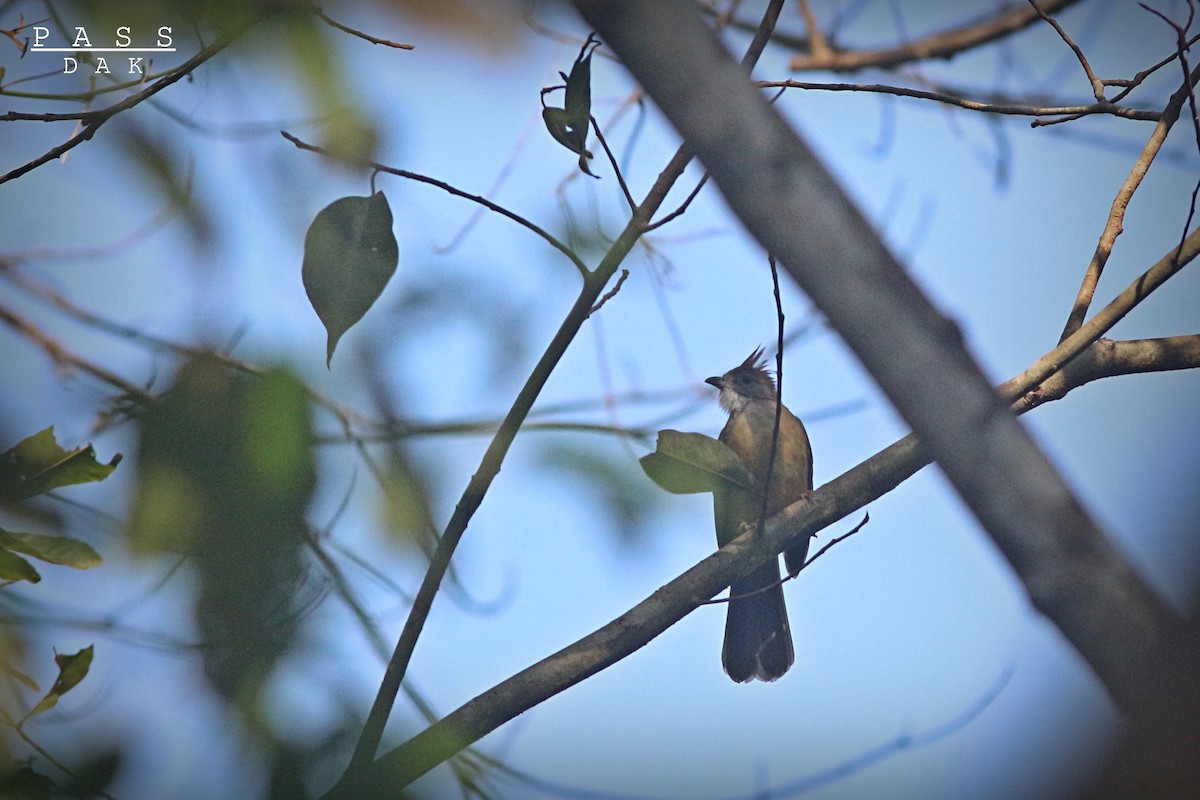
[689, 463]
[15, 568]
[350, 253]
[72, 669]
[37, 464]
[569, 125]
[62, 550]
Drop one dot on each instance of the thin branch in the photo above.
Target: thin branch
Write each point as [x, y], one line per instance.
[1116, 215]
[365, 36]
[93, 120]
[1096, 83]
[828, 545]
[474, 198]
[943, 44]
[1015, 109]
[613, 161]
[611, 293]
[64, 358]
[818, 45]
[774, 449]
[1182, 48]
[1107, 358]
[687, 201]
[1141, 288]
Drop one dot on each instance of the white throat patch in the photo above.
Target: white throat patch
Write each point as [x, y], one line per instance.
[731, 401]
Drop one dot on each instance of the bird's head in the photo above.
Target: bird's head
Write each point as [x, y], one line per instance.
[747, 381]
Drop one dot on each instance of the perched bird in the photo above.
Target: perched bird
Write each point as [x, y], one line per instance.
[758, 642]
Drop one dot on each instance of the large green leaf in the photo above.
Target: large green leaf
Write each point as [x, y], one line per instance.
[37, 464]
[61, 550]
[689, 463]
[350, 253]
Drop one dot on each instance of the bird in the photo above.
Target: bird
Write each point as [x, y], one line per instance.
[758, 641]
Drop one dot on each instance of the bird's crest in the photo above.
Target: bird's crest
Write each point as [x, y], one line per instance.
[757, 362]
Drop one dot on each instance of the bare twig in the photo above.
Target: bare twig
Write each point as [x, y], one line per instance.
[64, 358]
[687, 201]
[1141, 288]
[774, 450]
[1096, 83]
[1181, 43]
[943, 44]
[483, 201]
[1116, 215]
[817, 43]
[92, 120]
[613, 161]
[1011, 108]
[365, 36]
[611, 293]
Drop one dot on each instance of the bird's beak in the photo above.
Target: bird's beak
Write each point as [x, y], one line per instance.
[715, 381]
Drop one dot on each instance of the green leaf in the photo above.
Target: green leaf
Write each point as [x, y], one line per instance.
[690, 463]
[15, 568]
[37, 465]
[71, 670]
[350, 253]
[61, 550]
[569, 125]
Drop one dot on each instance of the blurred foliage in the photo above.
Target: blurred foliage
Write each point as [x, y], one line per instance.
[226, 473]
[606, 477]
[408, 511]
[499, 320]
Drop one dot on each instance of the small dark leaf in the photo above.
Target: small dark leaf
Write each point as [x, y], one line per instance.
[350, 253]
[61, 550]
[569, 125]
[71, 670]
[689, 463]
[37, 464]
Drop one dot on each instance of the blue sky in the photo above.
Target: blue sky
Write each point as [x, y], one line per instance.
[898, 630]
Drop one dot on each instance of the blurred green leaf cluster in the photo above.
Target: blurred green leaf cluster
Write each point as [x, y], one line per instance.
[226, 471]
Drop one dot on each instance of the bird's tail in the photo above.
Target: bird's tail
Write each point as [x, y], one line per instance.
[758, 641]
